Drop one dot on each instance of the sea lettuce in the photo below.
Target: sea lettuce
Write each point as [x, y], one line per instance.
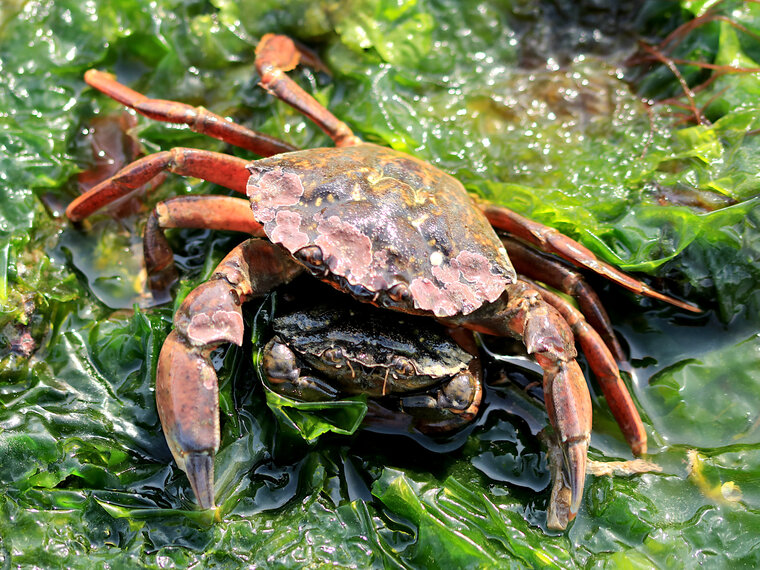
[591, 138]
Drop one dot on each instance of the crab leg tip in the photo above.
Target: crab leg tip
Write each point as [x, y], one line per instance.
[92, 75]
[685, 305]
[639, 448]
[200, 471]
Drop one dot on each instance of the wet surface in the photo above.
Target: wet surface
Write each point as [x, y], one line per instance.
[559, 137]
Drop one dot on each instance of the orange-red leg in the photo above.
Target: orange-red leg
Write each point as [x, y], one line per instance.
[223, 169]
[198, 119]
[275, 55]
[186, 382]
[550, 240]
[207, 212]
[606, 371]
[548, 269]
[521, 313]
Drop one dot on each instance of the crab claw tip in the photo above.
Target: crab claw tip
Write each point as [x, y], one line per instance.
[575, 468]
[200, 471]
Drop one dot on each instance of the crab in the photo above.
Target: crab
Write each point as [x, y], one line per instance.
[418, 377]
[377, 224]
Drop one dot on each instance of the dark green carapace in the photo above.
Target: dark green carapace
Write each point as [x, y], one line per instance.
[412, 363]
[415, 351]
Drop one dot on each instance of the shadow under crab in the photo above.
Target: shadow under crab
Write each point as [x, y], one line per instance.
[375, 223]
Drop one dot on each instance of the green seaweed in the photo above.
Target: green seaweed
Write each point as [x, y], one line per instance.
[86, 477]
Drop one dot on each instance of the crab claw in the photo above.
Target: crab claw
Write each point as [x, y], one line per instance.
[559, 508]
[522, 313]
[187, 400]
[568, 405]
[187, 392]
[574, 468]
[199, 468]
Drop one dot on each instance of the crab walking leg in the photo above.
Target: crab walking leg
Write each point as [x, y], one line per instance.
[606, 371]
[552, 241]
[276, 55]
[223, 169]
[531, 263]
[206, 212]
[186, 382]
[199, 119]
[521, 312]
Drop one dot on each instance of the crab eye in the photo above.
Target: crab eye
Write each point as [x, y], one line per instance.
[311, 255]
[403, 366]
[333, 355]
[399, 293]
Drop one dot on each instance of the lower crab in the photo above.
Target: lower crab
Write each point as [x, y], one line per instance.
[375, 223]
[417, 376]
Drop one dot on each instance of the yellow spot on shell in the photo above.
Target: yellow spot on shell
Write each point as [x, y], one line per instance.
[372, 175]
[419, 221]
[421, 196]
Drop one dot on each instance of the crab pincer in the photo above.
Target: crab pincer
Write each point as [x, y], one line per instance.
[187, 394]
[520, 312]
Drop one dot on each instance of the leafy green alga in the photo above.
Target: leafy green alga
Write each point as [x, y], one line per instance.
[515, 100]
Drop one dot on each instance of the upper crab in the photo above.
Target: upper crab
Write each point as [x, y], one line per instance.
[379, 223]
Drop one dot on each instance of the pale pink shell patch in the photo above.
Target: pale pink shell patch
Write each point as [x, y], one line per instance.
[346, 250]
[463, 286]
[286, 231]
[272, 190]
[476, 269]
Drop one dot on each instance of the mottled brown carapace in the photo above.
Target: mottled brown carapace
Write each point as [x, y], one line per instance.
[373, 219]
